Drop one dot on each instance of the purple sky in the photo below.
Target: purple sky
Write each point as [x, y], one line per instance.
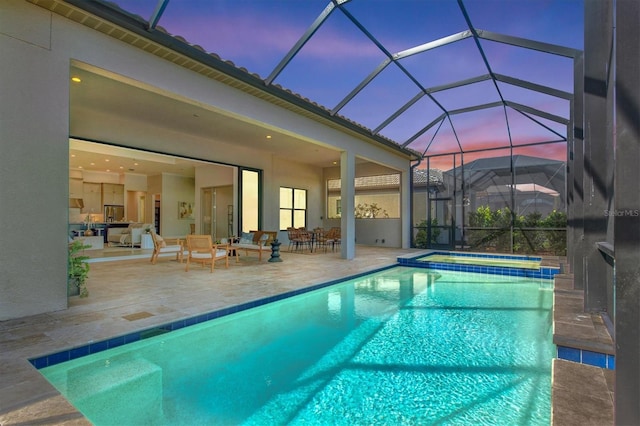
[257, 34]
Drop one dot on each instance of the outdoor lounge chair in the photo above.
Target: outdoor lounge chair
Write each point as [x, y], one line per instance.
[202, 250]
[160, 245]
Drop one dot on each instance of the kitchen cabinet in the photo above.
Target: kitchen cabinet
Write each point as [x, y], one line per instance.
[92, 197]
[75, 188]
[112, 193]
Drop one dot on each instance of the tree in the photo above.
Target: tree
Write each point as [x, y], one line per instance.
[369, 211]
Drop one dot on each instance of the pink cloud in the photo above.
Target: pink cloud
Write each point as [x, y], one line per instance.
[235, 37]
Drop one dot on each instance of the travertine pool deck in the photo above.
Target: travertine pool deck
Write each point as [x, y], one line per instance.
[130, 295]
[582, 395]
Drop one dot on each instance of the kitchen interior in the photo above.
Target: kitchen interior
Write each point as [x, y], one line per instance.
[112, 187]
[94, 207]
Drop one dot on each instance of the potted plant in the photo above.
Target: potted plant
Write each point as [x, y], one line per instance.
[78, 270]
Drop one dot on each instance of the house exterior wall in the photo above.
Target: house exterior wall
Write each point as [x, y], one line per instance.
[34, 168]
[38, 48]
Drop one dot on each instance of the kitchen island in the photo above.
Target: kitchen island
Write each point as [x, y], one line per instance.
[100, 229]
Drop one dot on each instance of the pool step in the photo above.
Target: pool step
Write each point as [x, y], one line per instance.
[92, 385]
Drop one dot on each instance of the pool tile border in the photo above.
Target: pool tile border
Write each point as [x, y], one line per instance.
[583, 356]
[103, 345]
[543, 272]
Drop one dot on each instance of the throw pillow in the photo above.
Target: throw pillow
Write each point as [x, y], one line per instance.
[263, 239]
[246, 238]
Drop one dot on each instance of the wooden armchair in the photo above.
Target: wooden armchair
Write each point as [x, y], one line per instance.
[160, 245]
[202, 250]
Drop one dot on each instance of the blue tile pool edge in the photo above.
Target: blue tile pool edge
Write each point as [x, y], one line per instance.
[583, 356]
[102, 345]
[544, 272]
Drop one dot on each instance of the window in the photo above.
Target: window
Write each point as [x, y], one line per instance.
[293, 208]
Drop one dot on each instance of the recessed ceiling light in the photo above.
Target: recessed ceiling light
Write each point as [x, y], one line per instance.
[122, 167]
[108, 170]
[268, 136]
[93, 164]
[107, 160]
[335, 162]
[76, 79]
[135, 164]
[79, 167]
[73, 156]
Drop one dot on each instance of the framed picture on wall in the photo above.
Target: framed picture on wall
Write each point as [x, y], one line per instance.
[185, 210]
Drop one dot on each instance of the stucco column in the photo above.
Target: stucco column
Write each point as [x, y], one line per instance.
[347, 196]
[627, 218]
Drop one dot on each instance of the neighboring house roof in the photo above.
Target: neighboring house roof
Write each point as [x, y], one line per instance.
[423, 176]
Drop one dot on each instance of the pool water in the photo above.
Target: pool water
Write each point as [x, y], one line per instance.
[401, 346]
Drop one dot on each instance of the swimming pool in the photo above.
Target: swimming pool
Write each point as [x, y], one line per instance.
[400, 346]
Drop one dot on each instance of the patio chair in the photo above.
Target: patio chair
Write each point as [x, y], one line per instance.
[160, 245]
[292, 233]
[304, 238]
[334, 237]
[322, 238]
[202, 250]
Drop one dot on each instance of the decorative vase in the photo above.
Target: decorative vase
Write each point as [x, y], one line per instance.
[275, 251]
[88, 233]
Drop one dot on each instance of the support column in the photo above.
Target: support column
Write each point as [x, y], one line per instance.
[405, 207]
[347, 197]
[627, 219]
[575, 195]
[597, 45]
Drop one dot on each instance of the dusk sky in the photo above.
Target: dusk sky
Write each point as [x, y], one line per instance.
[257, 34]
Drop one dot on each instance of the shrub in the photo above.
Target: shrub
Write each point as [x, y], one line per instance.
[526, 238]
[78, 269]
[421, 235]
